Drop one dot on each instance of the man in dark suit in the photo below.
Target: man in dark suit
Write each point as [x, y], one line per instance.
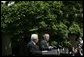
[32, 45]
[44, 45]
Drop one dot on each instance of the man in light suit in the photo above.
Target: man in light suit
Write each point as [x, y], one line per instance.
[44, 45]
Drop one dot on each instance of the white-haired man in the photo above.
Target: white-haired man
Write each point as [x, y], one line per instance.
[32, 45]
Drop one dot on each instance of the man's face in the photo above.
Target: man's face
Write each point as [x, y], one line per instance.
[36, 40]
[47, 37]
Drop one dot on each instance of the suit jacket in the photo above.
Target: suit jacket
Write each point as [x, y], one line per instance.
[33, 49]
[44, 45]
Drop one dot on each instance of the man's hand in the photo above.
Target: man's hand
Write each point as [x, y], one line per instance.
[50, 47]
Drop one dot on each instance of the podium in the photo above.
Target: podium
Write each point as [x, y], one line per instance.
[57, 52]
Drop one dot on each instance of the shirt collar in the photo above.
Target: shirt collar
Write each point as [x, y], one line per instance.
[34, 43]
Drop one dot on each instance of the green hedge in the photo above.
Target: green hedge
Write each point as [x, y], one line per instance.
[57, 17]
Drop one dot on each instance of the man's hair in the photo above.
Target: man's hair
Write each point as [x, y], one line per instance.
[34, 36]
[45, 35]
